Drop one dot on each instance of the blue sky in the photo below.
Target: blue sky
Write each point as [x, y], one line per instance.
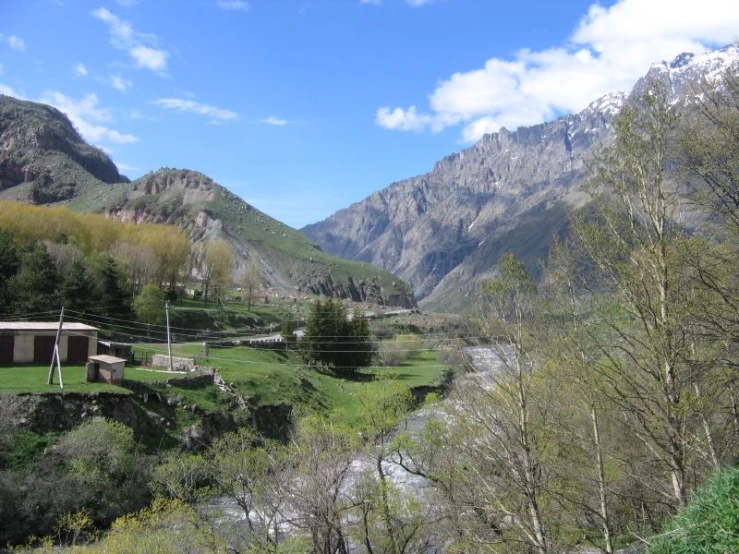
[302, 107]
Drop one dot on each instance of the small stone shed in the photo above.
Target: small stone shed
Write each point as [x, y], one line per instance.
[33, 342]
[105, 368]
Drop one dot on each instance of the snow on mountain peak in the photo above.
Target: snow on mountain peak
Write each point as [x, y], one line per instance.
[709, 63]
[610, 104]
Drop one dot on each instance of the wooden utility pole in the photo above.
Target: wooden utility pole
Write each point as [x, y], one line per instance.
[55, 354]
[169, 338]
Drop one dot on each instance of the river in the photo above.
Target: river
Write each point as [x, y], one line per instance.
[485, 363]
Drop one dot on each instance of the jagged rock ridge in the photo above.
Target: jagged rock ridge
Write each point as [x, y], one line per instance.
[445, 230]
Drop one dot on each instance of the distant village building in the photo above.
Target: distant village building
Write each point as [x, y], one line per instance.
[33, 342]
[105, 368]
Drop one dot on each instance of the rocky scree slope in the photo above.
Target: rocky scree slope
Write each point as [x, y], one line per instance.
[445, 230]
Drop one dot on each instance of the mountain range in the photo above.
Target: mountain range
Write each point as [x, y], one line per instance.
[436, 235]
[44, 160]
[444, 231]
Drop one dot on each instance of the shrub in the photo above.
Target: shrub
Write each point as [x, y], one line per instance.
[710, 522]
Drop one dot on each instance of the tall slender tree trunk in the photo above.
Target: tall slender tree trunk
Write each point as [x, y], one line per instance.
[602, 492]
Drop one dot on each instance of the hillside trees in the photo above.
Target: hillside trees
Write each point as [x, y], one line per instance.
[215, 263]
[152, 253]
[250, 278]
[35, 287]
[709, 148]
[499, 429]
[149, 305]
[9, 263]
[332, 341]
[653, 357]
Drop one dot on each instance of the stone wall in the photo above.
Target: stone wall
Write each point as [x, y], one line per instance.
[178, 364]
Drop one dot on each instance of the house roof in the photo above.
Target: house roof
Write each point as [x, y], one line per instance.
[43, 326]
[106, 359]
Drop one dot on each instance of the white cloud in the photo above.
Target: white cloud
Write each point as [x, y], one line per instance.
[126, 167]
[140, 46]
[7, 91]
[417, 3]
[280, 121]
[609, 49]
[233, 5]
[149, 58]
[80, 70]
[276, 121]
[402, 120]
[197, 108]
[120, 83]
[87, 116]
[17, 43]
[374, 2]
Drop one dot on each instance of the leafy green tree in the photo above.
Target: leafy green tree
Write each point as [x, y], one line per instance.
[287, 332]
[216, 263]
[389, 518]
[9, 264]
[112, 287]
[334, 342]
[77, 289]
[35, 287]
[362, 348]
[650, 355]
[149, 305]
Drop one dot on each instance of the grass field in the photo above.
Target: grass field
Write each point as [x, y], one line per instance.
[261, 376]
[32, 378]
[269, 377]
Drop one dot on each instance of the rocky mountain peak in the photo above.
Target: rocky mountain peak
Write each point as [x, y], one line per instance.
[198, 187]
[609, 104]
[681, 60]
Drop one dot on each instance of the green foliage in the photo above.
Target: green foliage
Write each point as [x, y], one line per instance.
[76, 289]
[395, 351]
[165, 527]
[35, 287]
[334, 342]
[287, 332]
[149, 305]
[710, 522]
[21, 448]
[113, 289]
[98, 448]
[511, 293]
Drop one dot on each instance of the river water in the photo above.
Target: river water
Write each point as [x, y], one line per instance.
[485, 362]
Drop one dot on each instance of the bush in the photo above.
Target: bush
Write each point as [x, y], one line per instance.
[710, 522]
[399, 349]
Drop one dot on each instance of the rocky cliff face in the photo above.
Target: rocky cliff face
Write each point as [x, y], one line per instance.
[43, 158]
[445, 230]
